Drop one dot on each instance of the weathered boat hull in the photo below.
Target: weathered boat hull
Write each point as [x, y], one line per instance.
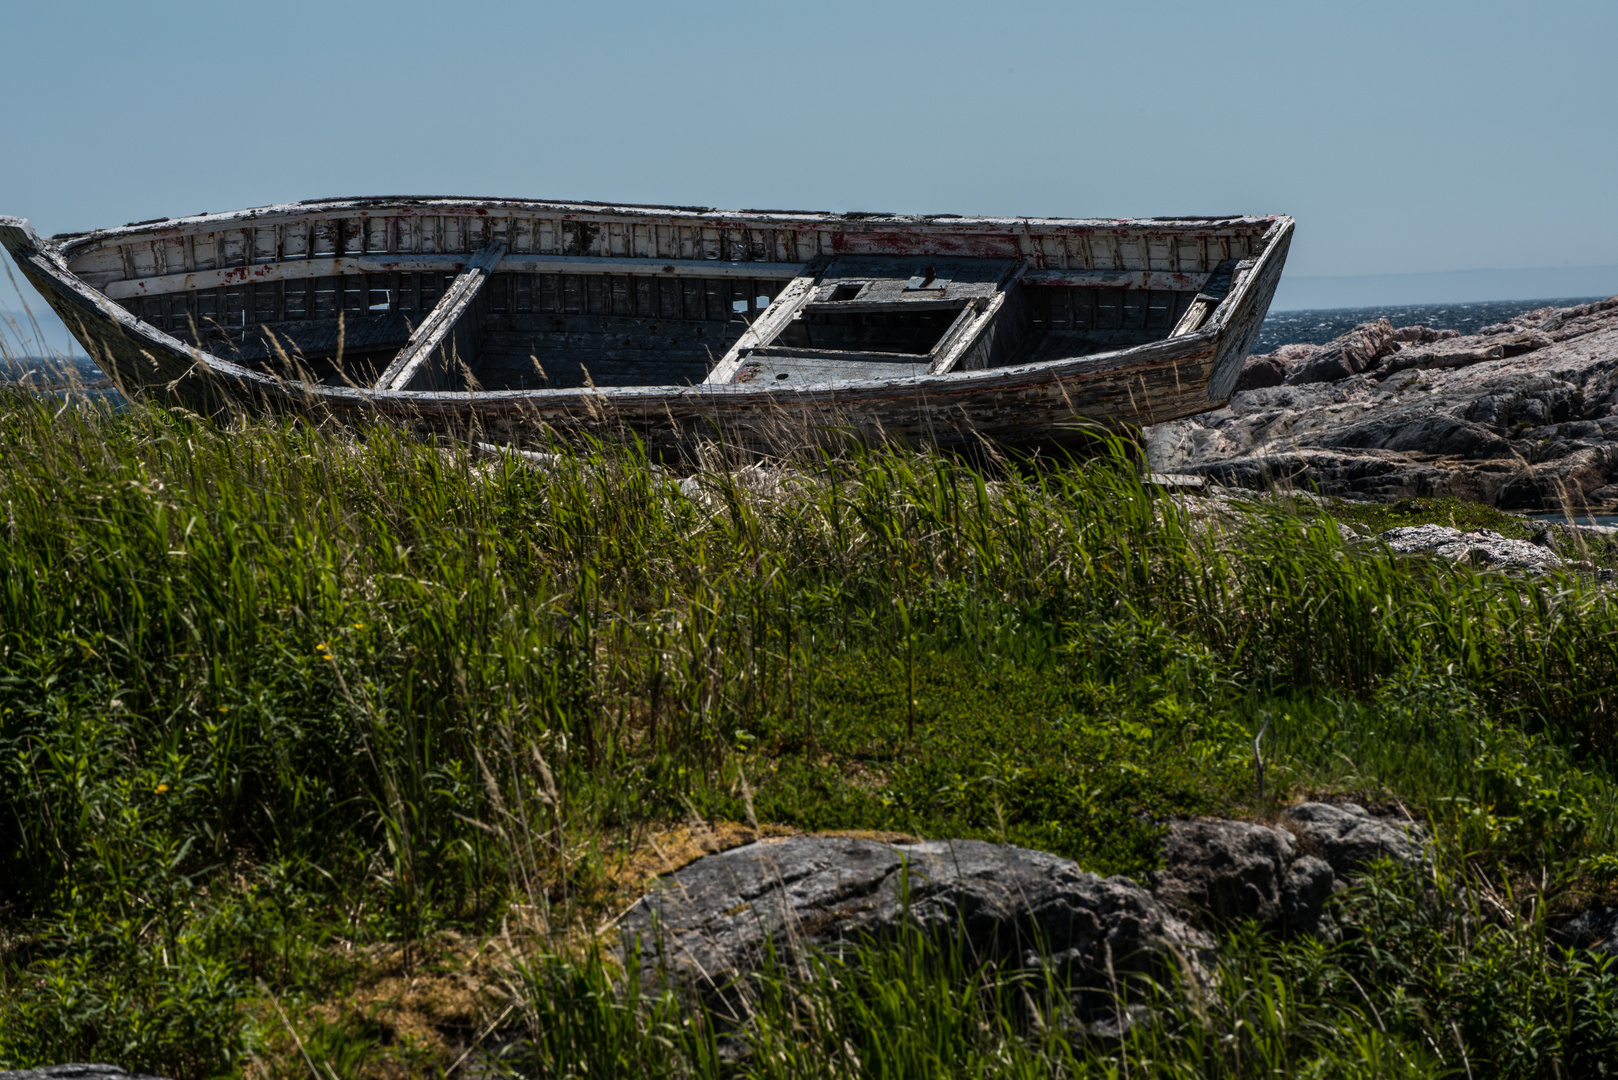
[1186, 372]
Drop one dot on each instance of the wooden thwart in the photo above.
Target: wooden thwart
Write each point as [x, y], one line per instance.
[449, 333]
[787, 304]
[882, 288]
[1213, 292]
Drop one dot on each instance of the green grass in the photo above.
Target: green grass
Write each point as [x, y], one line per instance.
[294, 720]
[1583, 549]
[1424, 985]
[1448, 510]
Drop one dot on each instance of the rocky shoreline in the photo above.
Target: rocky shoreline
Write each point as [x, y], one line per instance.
[1522, 415]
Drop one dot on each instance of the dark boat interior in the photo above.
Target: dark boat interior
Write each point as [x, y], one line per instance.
[446, 294]
[859, 317]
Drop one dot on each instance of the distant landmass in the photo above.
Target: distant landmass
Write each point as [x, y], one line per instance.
[1443, 287]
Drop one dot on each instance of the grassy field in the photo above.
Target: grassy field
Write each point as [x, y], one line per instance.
[326, 754]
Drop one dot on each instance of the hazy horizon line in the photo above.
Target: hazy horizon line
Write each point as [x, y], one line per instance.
[1327, 292]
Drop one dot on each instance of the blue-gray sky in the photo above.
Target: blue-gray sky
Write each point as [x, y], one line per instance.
[1405, 137]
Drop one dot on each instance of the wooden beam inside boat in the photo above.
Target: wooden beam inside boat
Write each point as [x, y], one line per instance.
[449, 333]
[1210, 296]
[781, 311]
[1170, 280]
[964, 333]
[333, 266]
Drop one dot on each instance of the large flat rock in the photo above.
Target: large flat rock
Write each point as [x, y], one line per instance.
[715, 919]
[717, 922]
[1481, 548]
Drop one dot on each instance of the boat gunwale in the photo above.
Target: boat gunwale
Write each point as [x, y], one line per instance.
[74, 245]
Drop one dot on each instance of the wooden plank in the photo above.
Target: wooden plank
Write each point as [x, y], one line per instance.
[798, 292]
[1213, 291]
[788, 369]
[258, 342]
[961, 336]
[1175, 281]
[918, 361]
[1195, 315]
[18, 237]
[444, 335]
[1235, 324]
[853, 307]
[941, 228]
[383, 262]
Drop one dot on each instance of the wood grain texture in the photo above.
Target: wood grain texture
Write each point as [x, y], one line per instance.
[447, 338]
[159, 284]
[767, 326]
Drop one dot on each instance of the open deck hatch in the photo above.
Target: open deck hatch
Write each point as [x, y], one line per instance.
[876, 316]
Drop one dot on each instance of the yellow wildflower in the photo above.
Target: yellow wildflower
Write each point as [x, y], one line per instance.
[162, 788]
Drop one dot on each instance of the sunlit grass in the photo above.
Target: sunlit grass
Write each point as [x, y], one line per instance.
[279, 703]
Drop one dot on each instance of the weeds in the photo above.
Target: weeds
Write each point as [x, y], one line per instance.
[276, 701]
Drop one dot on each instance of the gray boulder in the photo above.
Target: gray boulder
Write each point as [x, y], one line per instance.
[1347, 355]
[1350, 838]
[1371, 345]
[1422, 335]
[1231, 870]
[715, 919]
[1271, 369]
[1265, 369]
[1439, 355]
[1481, 548]
[74, 1072]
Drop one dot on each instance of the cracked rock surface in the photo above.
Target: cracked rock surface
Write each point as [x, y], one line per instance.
[1595, 929]
[1231, 870]
[1518, 415]
[1012, 905]
[1350, 838]
[1477, 547]
[717, 918]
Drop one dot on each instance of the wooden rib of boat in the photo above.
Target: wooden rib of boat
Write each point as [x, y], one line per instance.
[516, 319]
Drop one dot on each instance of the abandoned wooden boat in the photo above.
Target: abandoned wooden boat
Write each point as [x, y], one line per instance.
[512, 320]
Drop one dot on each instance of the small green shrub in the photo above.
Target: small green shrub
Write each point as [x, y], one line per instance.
[117, 992]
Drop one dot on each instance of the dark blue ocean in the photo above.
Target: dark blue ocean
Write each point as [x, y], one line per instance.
[1316, 327]
[53, 373]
